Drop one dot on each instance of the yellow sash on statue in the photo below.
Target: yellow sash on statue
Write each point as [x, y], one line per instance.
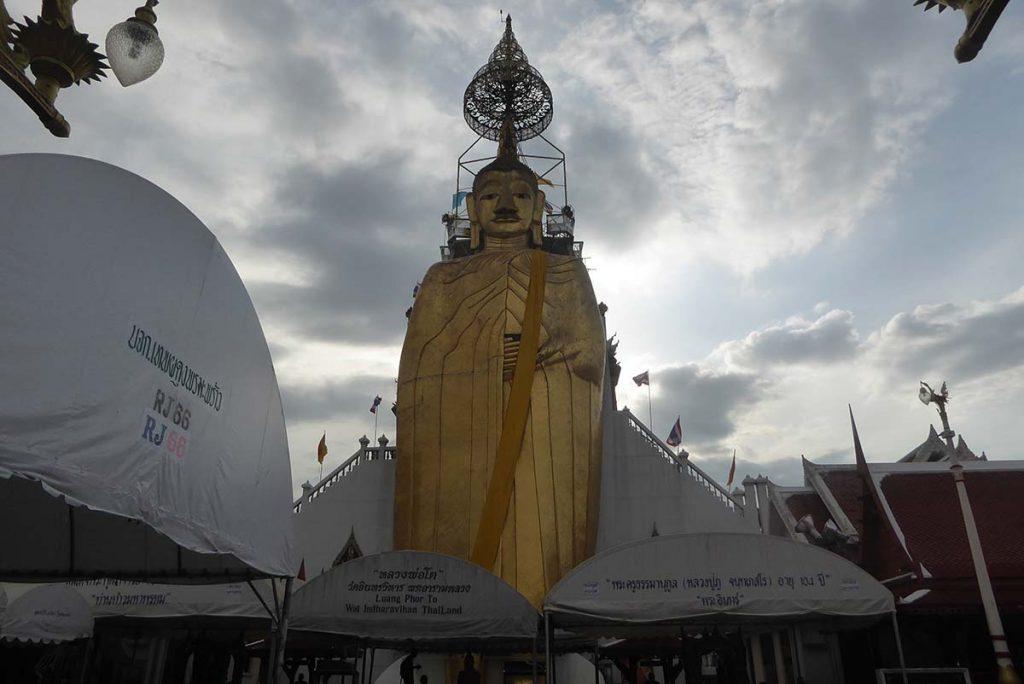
[510, 443]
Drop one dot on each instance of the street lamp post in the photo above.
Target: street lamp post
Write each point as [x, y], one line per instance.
[52, 50]
[1007, 675]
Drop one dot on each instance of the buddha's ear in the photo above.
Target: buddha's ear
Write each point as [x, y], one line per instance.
[474, 225]
[537, 222]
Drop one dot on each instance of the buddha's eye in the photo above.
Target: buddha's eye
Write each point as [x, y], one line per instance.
[490, 196]
[522, 195]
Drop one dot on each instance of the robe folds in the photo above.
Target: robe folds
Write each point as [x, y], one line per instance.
[453, 385]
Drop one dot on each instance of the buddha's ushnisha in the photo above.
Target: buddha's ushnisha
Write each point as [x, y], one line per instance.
[499, 395]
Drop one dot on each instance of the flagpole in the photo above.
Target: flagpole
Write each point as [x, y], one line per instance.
[650, 410]
[375, 425]
[320, 456]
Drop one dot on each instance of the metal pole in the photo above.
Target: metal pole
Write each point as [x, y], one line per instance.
[597, 670]
[272, 651]
[87, 659]
[282, 628]
[373, 654]
[650, 409]
[899, 646]
[548, 669]
[533, 658]
[947, 432]
[1007, 674]
[362, 669]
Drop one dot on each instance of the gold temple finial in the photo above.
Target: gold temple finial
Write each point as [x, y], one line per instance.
[508, 147]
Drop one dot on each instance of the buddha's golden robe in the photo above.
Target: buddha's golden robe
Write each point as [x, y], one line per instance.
[453, 386]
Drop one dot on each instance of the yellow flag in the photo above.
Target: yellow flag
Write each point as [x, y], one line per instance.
[321, 449]
[544, 181]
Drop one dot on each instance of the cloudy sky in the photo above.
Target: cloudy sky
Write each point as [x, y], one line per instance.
[788, 205]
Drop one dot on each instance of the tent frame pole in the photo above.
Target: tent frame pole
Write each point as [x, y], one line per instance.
[533, 658]
[280, 635]
[275, 624]
[548, 667]
[363, 668]
[90, 646]
[373, 654]
[597, 660]
[899, 645]
[266, 607]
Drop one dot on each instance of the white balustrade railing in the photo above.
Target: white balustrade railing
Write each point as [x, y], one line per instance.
[699, 476]
[364, 454]
[387, 452]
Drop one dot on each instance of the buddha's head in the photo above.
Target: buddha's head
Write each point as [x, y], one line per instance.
[506, 202]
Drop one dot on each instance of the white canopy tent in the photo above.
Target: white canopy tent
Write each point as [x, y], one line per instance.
[50, 613]
[119, 603]
[143, 433]
[659, 584]
[435, 601]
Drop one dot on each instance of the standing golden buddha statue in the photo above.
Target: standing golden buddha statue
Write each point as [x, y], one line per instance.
[499, 394]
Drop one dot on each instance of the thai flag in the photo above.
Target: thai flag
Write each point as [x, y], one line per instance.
[675, 438]
[376, 403]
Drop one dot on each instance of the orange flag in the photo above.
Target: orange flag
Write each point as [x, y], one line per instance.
[732, 470]
[321, 449]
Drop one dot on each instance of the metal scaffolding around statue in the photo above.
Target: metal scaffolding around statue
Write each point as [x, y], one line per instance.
[507, 87]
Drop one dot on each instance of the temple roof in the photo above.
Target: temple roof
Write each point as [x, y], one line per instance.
[350, 551]
[902, 521]
[934, 449]
[915, 524]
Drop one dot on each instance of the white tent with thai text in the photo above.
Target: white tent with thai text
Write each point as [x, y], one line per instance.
[143, 435]
[49, 613]
[398, 598]
[713, 578]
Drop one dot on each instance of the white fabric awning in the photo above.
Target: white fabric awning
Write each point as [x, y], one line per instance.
[714, 578]
[431, 599]
[137, 388]
[107, 598]
[50, 613]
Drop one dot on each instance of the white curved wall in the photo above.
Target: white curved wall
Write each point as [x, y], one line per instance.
[641, 489]
[362, 500]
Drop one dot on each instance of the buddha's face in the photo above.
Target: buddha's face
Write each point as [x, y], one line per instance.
[505, 202]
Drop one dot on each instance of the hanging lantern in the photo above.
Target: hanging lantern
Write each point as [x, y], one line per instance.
[134, 48]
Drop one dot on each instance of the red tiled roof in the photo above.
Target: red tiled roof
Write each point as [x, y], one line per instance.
[848, 489]
[927, 511]
[808, 503]
[880, 551]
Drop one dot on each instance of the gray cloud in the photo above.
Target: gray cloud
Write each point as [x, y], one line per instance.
[706, 400]
[351, 229]
[830, 338]
[329, 400]
[960, 342]
[621, 193]
[776, 126]
[782, 471]
[787, 471]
